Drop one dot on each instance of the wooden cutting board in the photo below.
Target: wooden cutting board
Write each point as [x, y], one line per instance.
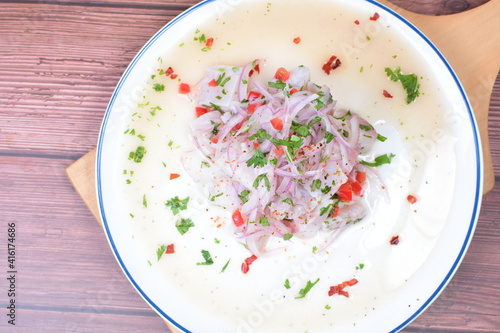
[470, 41]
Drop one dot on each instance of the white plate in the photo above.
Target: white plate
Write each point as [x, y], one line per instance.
[438, 159]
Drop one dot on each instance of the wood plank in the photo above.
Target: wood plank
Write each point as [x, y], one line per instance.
[39, 95]
[91, 321]
[63, 257]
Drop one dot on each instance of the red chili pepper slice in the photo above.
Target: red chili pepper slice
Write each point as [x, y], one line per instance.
[345, 192]
[339, 289]
[331, 64]
[282, 74]
[356, 188]
[174, 175]
[336, 211]
[212, 83]
[169, 71]
[170, 249]
[209, 42]
[387, 94]
[245, 266]
[253, 95]
[279, 151]
[238, 218]
[184, 88]
[252, 107]
[200, 111]
[361, 177]
[277, 123]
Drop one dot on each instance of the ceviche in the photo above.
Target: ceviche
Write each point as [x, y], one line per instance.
[286, 162]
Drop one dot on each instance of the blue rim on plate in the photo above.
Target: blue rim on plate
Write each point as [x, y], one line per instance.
[477, 148]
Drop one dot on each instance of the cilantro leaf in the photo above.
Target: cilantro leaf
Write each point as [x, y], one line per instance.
[408, 81]
[208, 258]
[160, 251]
[278, 84]
[287, 284]
[176, 204]
[183, 225]
[329, 137]
[379, 160]
[137, 155]
[258, 159]
[225, 266]
[243, 196]
[260, 178]
[158, 87]
[303, 292]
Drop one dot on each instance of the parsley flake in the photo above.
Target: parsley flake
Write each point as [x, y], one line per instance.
[176, 204]
[303, 292]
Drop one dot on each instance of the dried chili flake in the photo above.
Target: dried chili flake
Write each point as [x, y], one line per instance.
[394, 240]
[169, 71]
[296, 40]
[375, 17]
[339, 289]
[245, 266]
[332, 64]
[356, 22]
[387, 94]
[411, 199]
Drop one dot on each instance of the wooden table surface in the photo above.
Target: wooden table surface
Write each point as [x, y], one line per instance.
[59, 64]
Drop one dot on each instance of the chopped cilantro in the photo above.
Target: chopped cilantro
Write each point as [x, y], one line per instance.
[137, 155]
[260, 134]
[243, 195]
[258, 159]
[316, 184]
[183, 225]
[287, 236]
[158, 87]
[225, 266]
[176, 204]
[303, 292]
[289, 201]
[144, 201]
[213, 197]
[208, 258]
[264, 221]
[260, 178]
[278, 84]
[160, 251]
[329, 137]
[409, 82]
[381, 138]
[379, 160]
[301, 130]
[365, 127]
[287, 284]
[360, 266]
